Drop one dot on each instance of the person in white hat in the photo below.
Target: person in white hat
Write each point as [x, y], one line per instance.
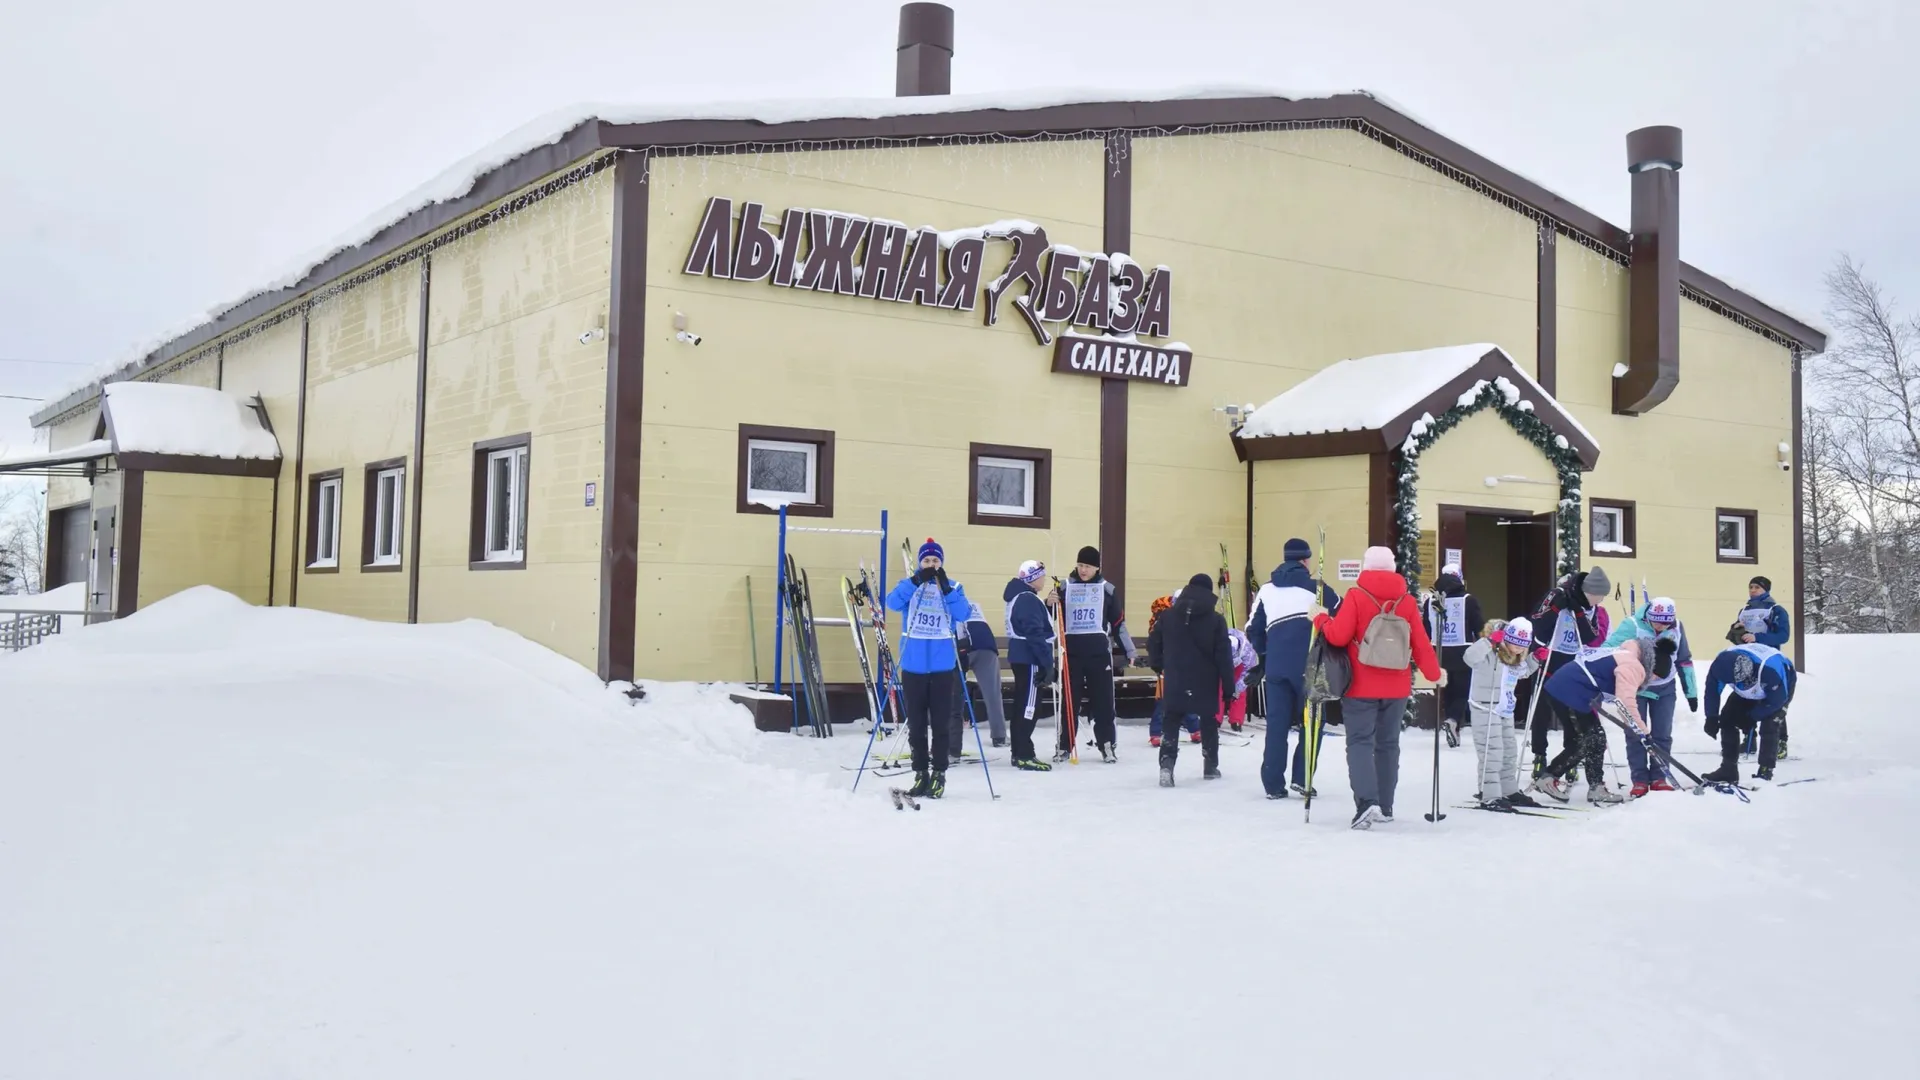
[1498, 662]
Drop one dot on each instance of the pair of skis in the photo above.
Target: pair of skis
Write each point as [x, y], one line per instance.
[881, 679]
[812, 684]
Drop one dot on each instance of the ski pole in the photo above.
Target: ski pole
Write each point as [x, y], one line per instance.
[961, 674]
[1438, 719]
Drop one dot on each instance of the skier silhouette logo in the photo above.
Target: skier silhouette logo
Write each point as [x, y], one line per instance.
[1029, 245]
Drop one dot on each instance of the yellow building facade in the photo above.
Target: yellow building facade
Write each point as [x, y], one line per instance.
[567, 401]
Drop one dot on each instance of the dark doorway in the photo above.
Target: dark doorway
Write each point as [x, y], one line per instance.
[1506, 556]
[70, 541]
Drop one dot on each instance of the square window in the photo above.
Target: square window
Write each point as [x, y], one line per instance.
[1736, 536]
[501, 494]
[380, 523]
[323, 521]
[790, 467]
[1009, 485]
[1610, 528]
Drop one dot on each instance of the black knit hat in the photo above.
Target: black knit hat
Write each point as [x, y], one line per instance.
[1090, 556]
[1766, 584]
[1203, 582]
[1296, 551]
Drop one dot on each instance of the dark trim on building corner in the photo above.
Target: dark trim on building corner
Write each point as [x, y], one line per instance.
[625, 401]
[822, 506]
[220, 367]
[1246, 585]
[196, 465]
[1798, 361]
[477, 505]
[273, 538]
[126, 537]
[1547, 311]
[417, 471]
[299, 468]
[1380, 499]
[1042, 461]
[1116, 234]
[1629, 526]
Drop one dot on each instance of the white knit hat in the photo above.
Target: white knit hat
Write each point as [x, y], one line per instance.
[1378, 558]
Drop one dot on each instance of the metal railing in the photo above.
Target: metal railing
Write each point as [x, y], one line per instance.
[19, 629]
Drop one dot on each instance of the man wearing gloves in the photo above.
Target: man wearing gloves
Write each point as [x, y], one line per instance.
[1762, 680]
[1280, 630]
[929, 663]
[1030, 651]
[1765, 622]
[1379, 625]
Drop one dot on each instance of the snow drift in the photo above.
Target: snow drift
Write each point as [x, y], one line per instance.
[238, 842]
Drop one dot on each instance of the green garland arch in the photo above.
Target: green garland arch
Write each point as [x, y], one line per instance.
[1503, 397]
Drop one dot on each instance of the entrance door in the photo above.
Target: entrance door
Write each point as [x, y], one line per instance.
[1506, 556]
[1530, 570]
[102, 560]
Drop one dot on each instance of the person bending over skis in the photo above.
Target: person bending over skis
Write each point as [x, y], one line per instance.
[1762, 680]
[1581, 687]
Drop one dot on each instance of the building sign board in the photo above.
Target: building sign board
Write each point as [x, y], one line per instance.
[1349, 569]
[1108, 296]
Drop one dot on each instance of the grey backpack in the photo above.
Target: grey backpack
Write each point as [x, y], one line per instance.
[1388, 642]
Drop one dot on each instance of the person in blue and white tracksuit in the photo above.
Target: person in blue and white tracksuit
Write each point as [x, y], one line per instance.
[1762, 680]
[1764, 622]
[1030, 641]
[1279, 629]
[929, 663]
[1658, 624]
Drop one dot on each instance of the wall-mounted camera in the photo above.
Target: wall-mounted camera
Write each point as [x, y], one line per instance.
[596, 334]
[687, 337]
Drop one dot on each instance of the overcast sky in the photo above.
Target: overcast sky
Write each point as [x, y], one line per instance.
[158, 159]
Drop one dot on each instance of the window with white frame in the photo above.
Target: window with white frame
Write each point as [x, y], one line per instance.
[1005, 486]
[323, 541]
[506, 505]
[1736, 539]
[385, 492]
[782, 472]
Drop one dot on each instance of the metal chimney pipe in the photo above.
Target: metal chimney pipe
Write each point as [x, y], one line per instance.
[924, 63]
[1653, 274]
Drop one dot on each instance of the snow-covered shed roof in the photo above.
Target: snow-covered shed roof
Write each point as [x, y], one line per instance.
[167, 427]
[1370, 404]
[563, 140]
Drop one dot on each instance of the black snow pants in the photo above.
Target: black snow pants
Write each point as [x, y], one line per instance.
[1091, 672]
[1027, 706]
[929, 711]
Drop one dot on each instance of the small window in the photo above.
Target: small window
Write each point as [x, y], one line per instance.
[1009, 485]
[791, 467]
[1610, 528]
[380, 523]
[323, 520]
[1736, 535]
[501, 473]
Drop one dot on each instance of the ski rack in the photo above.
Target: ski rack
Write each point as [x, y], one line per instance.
[781, 616]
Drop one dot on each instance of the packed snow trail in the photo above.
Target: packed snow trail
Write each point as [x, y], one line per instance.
[237, 842]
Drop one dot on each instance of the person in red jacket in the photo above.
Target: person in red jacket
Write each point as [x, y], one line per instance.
[1376, 698]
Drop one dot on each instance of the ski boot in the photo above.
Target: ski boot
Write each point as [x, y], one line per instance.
[1452, 733]
[1539, 765]
[1212, 772]
[1153, 740]
[1781, 754]
[1033, 765]
[1193, 736]
[1166, 775]
[1662, 784]
[1276, 795]
[1521, 798]
[998, 743]
[1553, 787]
[1640, 790]
[1106, 754]
[1727, 773]
[1765, 772]
[1600, 794]
[1304, 792]
[1237, 727]
[922, 783]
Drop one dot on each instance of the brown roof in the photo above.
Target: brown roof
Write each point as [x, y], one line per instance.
[1358, 111]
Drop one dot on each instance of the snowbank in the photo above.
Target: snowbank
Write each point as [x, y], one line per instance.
[242, 843]
[171, 418]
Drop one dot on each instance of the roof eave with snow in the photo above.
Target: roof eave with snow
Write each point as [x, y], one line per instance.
[559, 141]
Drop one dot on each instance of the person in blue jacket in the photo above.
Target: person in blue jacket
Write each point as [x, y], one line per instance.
[1764, 622]
[1280, 628]
[1762, 680]
[929, 663]
[1030, 637]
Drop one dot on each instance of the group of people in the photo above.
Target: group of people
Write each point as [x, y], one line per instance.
[1567, 654]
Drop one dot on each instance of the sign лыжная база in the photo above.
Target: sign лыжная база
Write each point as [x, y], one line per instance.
[1110, 295]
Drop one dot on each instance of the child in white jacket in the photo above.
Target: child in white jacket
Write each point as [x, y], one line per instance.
[1498, 662]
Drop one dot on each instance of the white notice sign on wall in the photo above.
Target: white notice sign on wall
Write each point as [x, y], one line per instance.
[1349, 569]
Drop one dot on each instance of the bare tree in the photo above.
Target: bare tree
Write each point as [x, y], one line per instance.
[23, 547]
[1874, 364]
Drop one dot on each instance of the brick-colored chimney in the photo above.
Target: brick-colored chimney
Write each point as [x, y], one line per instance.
[1653, 287]
[924, 63]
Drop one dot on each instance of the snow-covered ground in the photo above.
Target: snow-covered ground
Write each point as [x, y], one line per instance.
[247, 843]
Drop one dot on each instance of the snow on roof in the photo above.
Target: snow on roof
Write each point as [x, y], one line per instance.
[167, 418]
[1366, 393]
[1361, 394]
[40, 459]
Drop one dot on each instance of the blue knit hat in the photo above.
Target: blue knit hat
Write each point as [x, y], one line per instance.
[1297, 550]
[933, 549]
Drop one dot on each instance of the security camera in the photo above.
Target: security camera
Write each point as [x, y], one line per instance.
[1786, 466]
[593, 335]
[687, 337]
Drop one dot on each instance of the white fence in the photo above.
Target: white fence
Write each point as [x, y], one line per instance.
[19, 629]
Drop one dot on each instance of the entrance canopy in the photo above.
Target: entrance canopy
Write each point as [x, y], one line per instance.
[165, 427]
[1372, 404]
